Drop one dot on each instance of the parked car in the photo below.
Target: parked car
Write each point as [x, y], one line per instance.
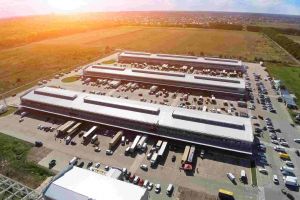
[263, 170]
[157, 188]
[144, 167]
[150, 186]
[275, 179]
[109, 152]
[173, 158]
[52, 163]
[97, 165]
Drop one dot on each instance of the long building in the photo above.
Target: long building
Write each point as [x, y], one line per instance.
[181, 60]
[81, 184]
[210, 129]
[232, 86]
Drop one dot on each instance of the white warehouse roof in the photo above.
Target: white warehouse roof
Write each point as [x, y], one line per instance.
[198, 122]
[83, 184]
[228, 85]
[184, 58]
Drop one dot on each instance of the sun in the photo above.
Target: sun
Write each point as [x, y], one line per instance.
[65, 5]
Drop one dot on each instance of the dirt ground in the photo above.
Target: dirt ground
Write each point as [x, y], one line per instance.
[37, 154]
[188, 194]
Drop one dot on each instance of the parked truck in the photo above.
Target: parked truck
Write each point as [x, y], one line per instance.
[153, 160]
[142, 141]
[63, 128]
[185, 154]
[115, 139]
[134, 144]
[90, 133]
[162, 150]
[291, 181]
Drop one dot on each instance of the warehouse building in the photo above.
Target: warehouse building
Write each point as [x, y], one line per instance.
[181, 60]
[81, 184]
[220, 131]
[232, 86]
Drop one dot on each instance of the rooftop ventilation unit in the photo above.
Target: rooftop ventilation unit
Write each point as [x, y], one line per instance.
[108, 67]
[217, 79]
[186, 116]
[176, 56]
[56, 93]
[122, 105]
[221, 60]
[158, 73]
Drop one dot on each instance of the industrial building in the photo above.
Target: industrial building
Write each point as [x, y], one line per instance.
[232, 86]
[220, 131]
[81, 184]
[181, 60]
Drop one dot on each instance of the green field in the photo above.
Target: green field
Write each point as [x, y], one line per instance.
[296, 38]
[289, 75]
[70, 79]
[9, 111]
[21, 65]
[14, 163]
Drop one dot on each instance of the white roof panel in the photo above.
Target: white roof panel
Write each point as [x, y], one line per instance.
[219, 125]
[204, 60]
[83, 184]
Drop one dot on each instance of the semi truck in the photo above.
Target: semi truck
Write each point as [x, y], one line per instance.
[153, 159]
[89, 133]
[191, 154]
[74, 129]
[115, 139]
[134, 144]
[158, 144]
[185, 154]
[63, 128]
[162, 149]
[142, 141]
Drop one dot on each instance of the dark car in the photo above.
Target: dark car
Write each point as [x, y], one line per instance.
[173, 158]
[297, 152]
[81, 164]
[52, 163]
[127, 175]
[89, 164]
[38, 144]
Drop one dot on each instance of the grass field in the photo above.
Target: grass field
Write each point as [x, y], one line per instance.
[23, 64]
[294, 37]
[289, 75]
[70, 79]
[14, 163]
[9, 111]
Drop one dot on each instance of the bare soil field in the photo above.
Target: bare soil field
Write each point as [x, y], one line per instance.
[24, 64]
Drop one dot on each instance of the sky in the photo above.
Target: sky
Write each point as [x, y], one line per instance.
[11, 8]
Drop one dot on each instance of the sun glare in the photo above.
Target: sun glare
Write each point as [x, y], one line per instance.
[65, 5]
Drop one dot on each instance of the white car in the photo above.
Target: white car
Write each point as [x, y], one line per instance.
[263, 171]
[157, 188]
[297, 140]
[144, 167]
[275, 179]
[149, 155]
[146, 183]
[109, 152]
[150, 186]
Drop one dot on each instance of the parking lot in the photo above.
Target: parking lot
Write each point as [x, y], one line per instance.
[208, 174]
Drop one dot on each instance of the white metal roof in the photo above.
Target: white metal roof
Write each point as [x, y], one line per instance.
[180, 79]
[206, 123]
[83, 184]
[204, 60]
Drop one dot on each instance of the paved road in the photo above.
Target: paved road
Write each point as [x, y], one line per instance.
[280, 120]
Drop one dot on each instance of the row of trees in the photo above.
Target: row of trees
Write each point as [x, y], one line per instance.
[288, 44]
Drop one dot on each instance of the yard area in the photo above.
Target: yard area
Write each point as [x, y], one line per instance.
[21, 65]
[289, 75]
[15, 164]
[296, 38]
